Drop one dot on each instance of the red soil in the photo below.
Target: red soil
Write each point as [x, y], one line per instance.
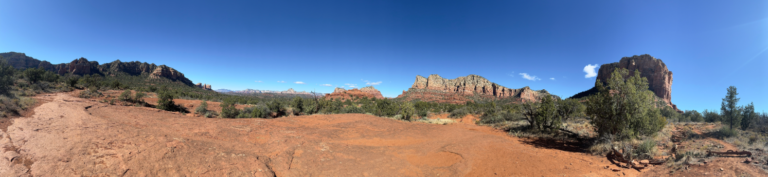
[70, 136]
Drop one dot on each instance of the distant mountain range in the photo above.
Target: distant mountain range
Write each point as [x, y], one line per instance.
[254, 91]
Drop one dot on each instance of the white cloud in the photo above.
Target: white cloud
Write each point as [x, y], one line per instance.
[351, 85]
[529, 77]
[552, 78]
[281, 81]
[327, 85]
[258, 81]
[590, 70]
[370, 83]
[299, 82]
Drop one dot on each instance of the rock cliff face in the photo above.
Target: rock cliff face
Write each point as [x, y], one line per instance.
[437, 88]
[207, 87]
[342, 94]
[82, 66]
[658, 75]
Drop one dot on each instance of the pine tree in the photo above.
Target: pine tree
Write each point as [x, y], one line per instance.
[730, 111]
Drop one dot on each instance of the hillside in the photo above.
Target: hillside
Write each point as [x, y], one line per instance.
[82, 66]
[342, 94]
[468, 88]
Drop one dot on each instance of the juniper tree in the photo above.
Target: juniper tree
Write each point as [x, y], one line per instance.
[624, 107]
[748, 117]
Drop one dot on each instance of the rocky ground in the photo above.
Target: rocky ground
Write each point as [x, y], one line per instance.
[70, 136]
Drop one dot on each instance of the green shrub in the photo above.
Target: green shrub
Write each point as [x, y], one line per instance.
[646, 149]
[725, 131]
[228, 109]
[459, 113]
[202, 109]
[125, 96]
[352, 109]
[165, 101]
[407, 110]
[34, 75]
[139, 97]
[626, 109]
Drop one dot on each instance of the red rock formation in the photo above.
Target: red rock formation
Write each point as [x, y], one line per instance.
[341, 94]
[471, 85]
[659, 77]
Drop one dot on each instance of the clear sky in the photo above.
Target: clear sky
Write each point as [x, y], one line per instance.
[273, 44]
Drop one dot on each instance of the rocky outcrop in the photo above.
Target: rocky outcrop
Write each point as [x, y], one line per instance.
[82, 66]
[163, 71]
[365, 92]
[658, 75]
[472, 85]
[205, 86]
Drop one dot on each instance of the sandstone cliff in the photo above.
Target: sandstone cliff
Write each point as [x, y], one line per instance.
[342, 94]
[658, 75]
[82, 66]
[438, 89]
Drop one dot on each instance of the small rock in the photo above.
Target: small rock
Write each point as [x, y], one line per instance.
[644, 162]
[721, 169]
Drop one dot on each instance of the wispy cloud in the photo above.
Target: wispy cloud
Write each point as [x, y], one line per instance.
[281, 81]
[258, 81]
[529, 77]
[552, 78]
[370, 83]
[590, 70]
[351, 85]
[327, 85]
[299, 82]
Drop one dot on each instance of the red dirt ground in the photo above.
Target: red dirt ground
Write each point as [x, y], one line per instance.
[70, 136]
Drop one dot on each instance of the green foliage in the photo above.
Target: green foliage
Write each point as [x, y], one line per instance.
[115, 84]
[728, 132]
[352, 109]
[297, 103]
[33, 75]
[626, 109]
[228, 109]
[748, 116]
[646, 149]
[546, 116]
[692, 116]
[202, 109]
[711, 116]
[139, 97]
[731, 112]
[6, 74]
[407, 110]
[125, 96]
[165, 101]
[459, 113]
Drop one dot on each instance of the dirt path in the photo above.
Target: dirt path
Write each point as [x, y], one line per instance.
[69, 136]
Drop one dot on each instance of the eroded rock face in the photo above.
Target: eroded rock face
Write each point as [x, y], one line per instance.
[659, 77]
[342, 94]
[473, 85]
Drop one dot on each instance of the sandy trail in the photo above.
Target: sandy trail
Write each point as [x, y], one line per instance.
[69, 136]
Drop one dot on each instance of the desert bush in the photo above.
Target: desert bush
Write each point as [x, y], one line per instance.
[297, 103]
[33, 75]
[407, 110]
[626, 109]
[90, 92]
[125, 96]
[725, 131]
[228, 109]
[647, 149]
[309, 106]
[139, 97]
[711, 116]
[459, 113]
[497, 117]
[165, 101]
[202, 109]
[352, 109]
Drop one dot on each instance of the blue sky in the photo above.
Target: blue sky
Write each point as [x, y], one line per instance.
[708, 45]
